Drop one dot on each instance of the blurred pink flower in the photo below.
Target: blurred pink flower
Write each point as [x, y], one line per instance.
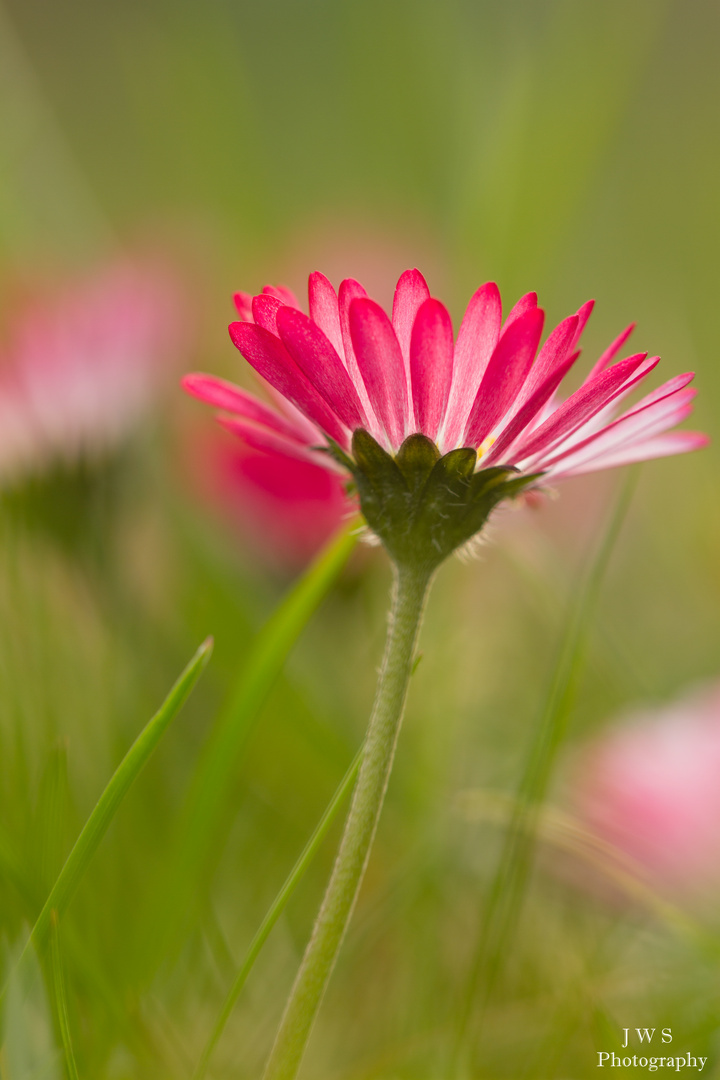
[79, 367]
[651, 788]
[284, 507]
[349, 366]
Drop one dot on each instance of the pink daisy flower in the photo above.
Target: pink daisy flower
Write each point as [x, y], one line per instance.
[82, 365]
[650, 788]
[348, 368]
[348, 365]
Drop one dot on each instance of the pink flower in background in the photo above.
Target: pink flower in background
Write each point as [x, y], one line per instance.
[78, 368]
[284, 507]
[651, 788]
[348, 365]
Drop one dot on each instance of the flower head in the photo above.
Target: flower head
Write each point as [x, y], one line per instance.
[650, 788]
[81, 366]
[437, 429]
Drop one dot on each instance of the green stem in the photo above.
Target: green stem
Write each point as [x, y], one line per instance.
[409, 593]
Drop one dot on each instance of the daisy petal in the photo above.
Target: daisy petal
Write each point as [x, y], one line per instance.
[668, 389]
[505, 374]
[352, 290]
[611, 352]
[580, 406]
[525, 303]
[583, 314]
[262, 438]
[478, 336]
[324, 311]
[553, 354]
[225, 395]
[651, 417]
[243, 305]
[283, 294]
[529, 410]
[411, 292]
[273, 362]
[315, 356]
[609, 411]
[349, 290]
[264, 310]
[673, 442]
[309, 433]
[381, 366]
[431, 365]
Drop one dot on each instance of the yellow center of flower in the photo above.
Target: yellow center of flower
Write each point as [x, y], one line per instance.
[485, 445]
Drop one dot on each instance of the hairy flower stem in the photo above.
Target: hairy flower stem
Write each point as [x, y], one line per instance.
[410, 590]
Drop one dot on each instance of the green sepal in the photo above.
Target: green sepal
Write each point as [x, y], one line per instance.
[519, 484]
[335, 451]
[486, 480]
[424, 506]
[446, 494]
[383, 490]
[373, 461]
[416, 459]
[460, 462]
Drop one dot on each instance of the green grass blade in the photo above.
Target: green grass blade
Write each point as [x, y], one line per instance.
[204, 810]
[557, 829]
[58, 986]
[276, 909]
[508, 887]
[107, 805]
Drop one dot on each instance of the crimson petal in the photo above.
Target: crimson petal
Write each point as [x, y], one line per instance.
[262, 438]
[611, 352]
[243, 305]
[381, 366]
[271, 359]
[225, 395]
[672, 442]
[505, 374]
[411, 292]
[431, 365]
[581, 406]
[315, 356]
[324, 310]
[265, 309]
[524, 304]
[476, 341]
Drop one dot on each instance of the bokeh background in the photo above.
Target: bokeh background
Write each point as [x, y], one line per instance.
[569, 148]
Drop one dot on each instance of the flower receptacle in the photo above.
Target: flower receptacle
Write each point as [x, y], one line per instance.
[423, 505]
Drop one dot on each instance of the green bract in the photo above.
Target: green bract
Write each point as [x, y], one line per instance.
[421, 505]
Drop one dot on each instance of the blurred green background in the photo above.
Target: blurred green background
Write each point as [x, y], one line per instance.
[570, 148]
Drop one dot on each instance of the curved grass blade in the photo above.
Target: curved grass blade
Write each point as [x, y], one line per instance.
[509, 883]
[58, 985]
[563, 832]
[97, 824]
[276, 909]
[204, 810]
